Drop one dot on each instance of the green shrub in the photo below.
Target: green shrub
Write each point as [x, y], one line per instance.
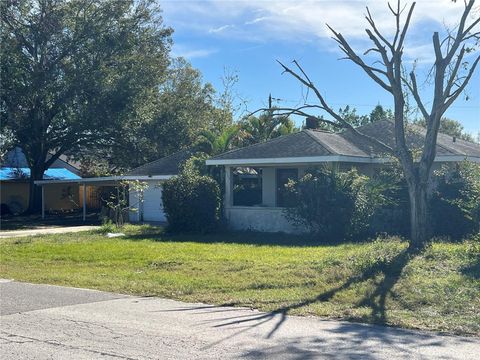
[191, 202]
[333, 205]
[107, 227]
[392, 216]
[455, 202]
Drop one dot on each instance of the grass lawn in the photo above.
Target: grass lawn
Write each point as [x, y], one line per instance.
[377, 282]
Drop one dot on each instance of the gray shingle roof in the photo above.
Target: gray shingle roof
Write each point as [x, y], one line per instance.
[168, 165]
[337, 144]
[293, 145]
[384, 131]
[309, 143]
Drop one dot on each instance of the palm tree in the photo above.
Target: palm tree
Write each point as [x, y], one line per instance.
[213, 143]
[265, 127]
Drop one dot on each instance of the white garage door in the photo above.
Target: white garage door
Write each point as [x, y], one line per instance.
[152, 203]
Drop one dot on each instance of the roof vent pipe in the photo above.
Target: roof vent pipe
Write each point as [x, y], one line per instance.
[454, 139]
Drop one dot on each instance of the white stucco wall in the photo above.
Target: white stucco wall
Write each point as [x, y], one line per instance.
[260, 219]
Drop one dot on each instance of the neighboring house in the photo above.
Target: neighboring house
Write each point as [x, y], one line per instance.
[153, 173]
[15, 187]
[256, 174]
[15, 158]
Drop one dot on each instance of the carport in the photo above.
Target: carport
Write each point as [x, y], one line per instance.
[98, 181]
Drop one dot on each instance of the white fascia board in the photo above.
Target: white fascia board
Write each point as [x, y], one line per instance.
[296, 160]
[326, 159]
[457, 158]
[105, 179]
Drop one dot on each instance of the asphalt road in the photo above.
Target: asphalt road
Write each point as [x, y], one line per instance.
[51, 322]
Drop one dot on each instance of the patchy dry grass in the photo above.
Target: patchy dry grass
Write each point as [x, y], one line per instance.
[378, 282]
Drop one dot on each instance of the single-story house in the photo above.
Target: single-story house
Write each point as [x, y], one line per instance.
[255, 175]
[15, 186]
[153, 174]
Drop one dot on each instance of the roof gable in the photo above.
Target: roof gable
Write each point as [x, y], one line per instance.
[168, 165]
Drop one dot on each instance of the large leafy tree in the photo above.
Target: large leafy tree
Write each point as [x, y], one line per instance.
[183, 107]
[75, 72]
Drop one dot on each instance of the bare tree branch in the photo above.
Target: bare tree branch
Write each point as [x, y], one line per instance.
[457, 92]
[345, 47]
[405, 27]
[414, 90]
[324, 106]
[453, 75]
[375, 30]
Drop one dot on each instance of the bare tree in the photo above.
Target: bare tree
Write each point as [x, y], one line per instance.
[451, 74]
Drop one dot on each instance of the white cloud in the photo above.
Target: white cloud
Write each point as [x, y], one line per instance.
[180, 50]
[220, 29]
[256, 20]
[422, 53]
[304, 19]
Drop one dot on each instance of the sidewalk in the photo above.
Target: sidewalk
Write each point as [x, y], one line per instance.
[47, 230]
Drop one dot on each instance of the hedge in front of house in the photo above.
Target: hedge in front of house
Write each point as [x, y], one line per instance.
[191, 203]
[333, 205]
[339, 206]
[455, 202]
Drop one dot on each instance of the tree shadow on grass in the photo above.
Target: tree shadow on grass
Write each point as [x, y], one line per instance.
[235, 237]
[472, 270]
[389, 271]
[340, 340]
[376, 301]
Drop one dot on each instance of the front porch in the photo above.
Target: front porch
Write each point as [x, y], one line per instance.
[256, 196]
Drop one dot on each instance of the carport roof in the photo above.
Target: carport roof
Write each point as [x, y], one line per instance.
[105, 181]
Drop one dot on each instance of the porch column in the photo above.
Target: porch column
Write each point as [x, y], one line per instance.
[269, 186]
[43, 202]
[84, 196]
[228, 187]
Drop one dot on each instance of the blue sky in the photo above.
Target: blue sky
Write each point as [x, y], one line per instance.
[247, 37]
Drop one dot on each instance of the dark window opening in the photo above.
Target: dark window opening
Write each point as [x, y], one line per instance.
[247, 186]
[283, 176]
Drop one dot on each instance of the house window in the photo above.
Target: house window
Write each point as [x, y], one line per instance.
[247, 186]
[283, 176]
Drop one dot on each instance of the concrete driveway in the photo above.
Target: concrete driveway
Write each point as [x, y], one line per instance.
[50, 322]
[46, 231]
